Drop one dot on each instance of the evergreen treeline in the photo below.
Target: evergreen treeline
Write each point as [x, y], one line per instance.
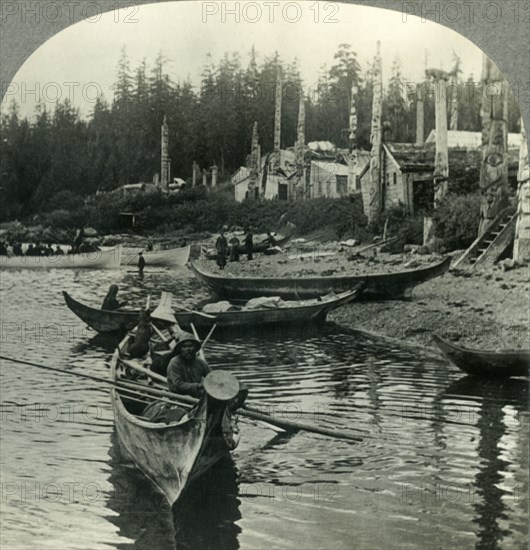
[58, 158]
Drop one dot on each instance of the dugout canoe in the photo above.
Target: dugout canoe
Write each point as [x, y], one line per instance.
[174, 257]
[376, 285]
[172, 455]
[102, 259]
[258, 248]
[501, 364]
[105, 321]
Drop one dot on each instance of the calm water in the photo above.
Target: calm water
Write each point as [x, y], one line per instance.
[442, 462]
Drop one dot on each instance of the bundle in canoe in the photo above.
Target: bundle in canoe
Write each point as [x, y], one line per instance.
[501, 364]
[258, 248]
[172, 454]
[377, 285]
[173, 257]
[102, 259]
[302, 312]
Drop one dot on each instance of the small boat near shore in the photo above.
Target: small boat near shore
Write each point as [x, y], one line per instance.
[501, 364]
[376, 285]
[174, 452]
[101, 259]
[173, 257]
[313, 311]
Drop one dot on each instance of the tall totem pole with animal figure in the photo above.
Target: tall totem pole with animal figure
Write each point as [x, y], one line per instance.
[254, 163]
[353, 136]
[299, 190]
[521, 246]
[494, 168]
[372, 204]
[165, 162]
[277, 120]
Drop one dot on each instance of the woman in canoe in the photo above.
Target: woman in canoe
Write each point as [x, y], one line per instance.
[110, 303]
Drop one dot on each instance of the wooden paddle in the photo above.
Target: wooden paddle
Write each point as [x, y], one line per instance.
[244, 412]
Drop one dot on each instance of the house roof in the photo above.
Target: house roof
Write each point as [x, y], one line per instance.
[471, 140]
[321, 146]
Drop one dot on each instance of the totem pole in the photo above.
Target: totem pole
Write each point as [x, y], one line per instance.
[454, 74]
[494, 168]
[277, 120]
[521, 247]
[300, 148]
[372, 206]
[254, 162]
[441, 159]
[196, 169]
[420, 114]
[165, 161]
[215, 171]
[353, 136]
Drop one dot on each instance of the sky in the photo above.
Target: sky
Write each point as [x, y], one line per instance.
[80, 62]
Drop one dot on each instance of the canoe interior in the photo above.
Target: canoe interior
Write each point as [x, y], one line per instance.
[120, 321]
[476, 362]
[173, 454]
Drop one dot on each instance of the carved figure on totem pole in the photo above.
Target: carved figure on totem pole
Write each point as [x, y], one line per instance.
[493, 175]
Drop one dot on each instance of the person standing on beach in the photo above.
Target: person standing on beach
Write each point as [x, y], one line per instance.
[221, 246]
[141, 263]
[234, 249]
[249, 244]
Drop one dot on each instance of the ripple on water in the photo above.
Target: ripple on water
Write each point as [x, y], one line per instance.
[440, 464]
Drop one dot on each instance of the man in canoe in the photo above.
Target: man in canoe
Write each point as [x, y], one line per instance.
[186, 371]
[110, 303]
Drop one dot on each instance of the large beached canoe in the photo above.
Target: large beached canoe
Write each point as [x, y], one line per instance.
[102, 259]
[173, 257]
[476, 362]
[377, 285]
[119, 321]
[172, 455]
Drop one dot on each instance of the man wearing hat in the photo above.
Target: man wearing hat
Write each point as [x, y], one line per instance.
[186, 371]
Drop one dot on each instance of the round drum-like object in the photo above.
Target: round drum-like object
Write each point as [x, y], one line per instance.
[221, 385]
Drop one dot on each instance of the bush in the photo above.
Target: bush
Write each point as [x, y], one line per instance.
[408, 229]
[457, 220]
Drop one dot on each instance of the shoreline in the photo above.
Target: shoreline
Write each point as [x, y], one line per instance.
[486, 310]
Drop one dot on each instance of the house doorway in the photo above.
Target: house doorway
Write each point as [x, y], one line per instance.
[423, 195]
[282, 191]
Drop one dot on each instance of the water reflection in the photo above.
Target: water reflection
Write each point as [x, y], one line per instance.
[491, 398]
[203, 518]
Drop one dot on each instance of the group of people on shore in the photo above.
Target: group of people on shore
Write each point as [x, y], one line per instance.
[232, 249]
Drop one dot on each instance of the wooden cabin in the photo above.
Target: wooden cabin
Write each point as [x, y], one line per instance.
[407, 173]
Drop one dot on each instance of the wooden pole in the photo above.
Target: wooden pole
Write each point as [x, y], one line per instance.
[277, 119]
[521, 247]
[372, 195]
[441, 160]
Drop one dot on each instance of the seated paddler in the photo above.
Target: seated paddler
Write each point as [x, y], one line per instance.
[110, 303]
[186, 371]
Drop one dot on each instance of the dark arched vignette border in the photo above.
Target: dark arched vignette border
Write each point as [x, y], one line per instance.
[505, 40]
